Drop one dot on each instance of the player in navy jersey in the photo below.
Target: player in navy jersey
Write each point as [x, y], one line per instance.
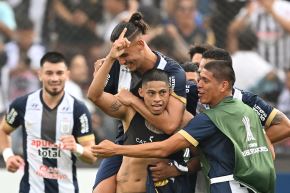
[56, 131]
[135, 56]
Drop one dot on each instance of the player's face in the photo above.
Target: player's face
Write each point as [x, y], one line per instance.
[53, 77]
[192, 76]
[208, 88]
[156, 95]
[132, 57]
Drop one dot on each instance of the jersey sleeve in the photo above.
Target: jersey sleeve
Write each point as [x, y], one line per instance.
[16, 111]
[265, 112]
[198, 129]
[113, 79]
[178, 82]
[82, 129]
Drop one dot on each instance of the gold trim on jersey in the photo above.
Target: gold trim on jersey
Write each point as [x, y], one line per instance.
[182, 99]
[161, 183]
[188, 137]
[271, 117]
[86, 138]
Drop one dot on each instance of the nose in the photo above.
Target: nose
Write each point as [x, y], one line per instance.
[54, 77]
[157, 98]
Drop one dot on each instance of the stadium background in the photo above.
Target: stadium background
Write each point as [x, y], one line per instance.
[82, 28]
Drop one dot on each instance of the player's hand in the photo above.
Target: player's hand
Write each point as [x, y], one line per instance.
[125, 97]
[98, 65]
[14, 163]
[69, 143]
[162, 170]
[104, 149]
[119, 45]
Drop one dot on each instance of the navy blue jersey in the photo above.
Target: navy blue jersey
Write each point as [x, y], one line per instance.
[201, 131]
[49, 167]
[265, 112]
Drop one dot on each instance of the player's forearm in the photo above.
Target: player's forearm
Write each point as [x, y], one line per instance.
[4, 140]
[87, 156]
[148, 150]
[168, 121]
[99, 81]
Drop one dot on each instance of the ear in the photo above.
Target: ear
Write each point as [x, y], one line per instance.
[67, 75]
[141, 42]
[141, 92]
[39, 75]
[225, 86]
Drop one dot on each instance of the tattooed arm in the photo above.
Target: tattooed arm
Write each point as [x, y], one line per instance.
[279, 128]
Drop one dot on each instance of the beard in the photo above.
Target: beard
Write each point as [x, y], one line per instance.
[53, 92]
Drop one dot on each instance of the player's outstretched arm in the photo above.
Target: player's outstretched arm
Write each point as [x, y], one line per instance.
[155, 150]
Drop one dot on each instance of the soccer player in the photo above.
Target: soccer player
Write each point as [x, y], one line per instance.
[128, 54]
[56, 129]
[155, 91]
[230, 135]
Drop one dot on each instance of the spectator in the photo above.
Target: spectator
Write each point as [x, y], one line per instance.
[284, 98]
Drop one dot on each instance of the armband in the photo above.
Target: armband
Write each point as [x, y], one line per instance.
[183, 169]
[7, 152]
[80, 150]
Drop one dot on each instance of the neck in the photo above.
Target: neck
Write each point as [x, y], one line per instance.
[220, 99]
[149, 61]
[50, 100]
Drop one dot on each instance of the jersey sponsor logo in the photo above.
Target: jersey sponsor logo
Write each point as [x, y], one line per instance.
[11, 116]
[49, 152]
[84, 124]
[172, 82]
[47, 149]
[141, 141]
[107, 80]
[187, 88]
[262, 115]
[50, 173]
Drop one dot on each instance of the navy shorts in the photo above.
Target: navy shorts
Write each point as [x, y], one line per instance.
[108, 167]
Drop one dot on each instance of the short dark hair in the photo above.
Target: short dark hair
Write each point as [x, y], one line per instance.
[53, 57]
[199, 49]
[247, 39]
[218, 54]
[222, 70]
[155, 75]
[135, 26]
[190, 67]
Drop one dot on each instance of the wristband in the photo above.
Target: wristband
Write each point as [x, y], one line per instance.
[183, 169]
[7, 152]
[80, 150]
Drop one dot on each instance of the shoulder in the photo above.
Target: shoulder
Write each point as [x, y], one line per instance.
[19, 102]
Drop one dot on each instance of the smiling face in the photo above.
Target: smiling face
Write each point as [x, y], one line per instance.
[208, 88]
[156, 95]
[53, 77]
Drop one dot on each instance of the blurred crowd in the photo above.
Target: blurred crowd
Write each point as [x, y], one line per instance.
[256, 32]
